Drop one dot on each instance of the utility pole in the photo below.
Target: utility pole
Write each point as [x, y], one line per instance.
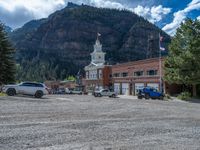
[160, 64]
[149, 53]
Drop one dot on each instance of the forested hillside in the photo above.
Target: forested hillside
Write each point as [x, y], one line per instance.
[60, 45]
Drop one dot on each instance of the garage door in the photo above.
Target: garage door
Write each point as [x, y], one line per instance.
[138, 86]
[154, 85]
[117, 88]
[125, 89]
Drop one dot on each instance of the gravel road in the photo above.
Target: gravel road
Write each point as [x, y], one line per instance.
[86, 123]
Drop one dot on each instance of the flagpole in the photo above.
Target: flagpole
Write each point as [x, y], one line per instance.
[160, 65]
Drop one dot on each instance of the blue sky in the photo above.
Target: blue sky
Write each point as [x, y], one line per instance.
[167, 14]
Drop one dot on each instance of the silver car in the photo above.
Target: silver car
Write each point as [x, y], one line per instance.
[104, 92]
[26, 88]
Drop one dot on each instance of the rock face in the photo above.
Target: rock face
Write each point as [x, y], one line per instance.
[63, 41]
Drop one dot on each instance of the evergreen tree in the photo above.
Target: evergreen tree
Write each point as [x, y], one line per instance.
[182, 66]
[7, 63]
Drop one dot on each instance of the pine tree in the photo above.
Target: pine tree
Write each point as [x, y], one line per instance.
[7, 63]
[182, 66]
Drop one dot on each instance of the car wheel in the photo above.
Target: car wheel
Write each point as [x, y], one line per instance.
[39, 94]
[99, 95]
[147, 96]
[113, 96]
[11, 92]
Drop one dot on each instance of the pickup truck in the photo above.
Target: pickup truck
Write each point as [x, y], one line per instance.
[26, 88]
[149, 92]
[104, 92]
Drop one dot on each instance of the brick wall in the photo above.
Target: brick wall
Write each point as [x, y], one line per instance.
[137, 66]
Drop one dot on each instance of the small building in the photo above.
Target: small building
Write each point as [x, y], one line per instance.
[97, 74]
[60, 84]
[129, 77]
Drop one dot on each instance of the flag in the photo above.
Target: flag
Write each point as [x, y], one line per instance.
[162, 48]
[98, 34]
[161, 38]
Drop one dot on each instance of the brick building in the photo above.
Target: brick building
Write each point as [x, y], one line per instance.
[128, 77]
[97, 74]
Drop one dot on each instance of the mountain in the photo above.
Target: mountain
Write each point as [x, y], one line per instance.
[8, 29]
[28, 29]
[61, 44]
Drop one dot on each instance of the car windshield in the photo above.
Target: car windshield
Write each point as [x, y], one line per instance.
[155, 90]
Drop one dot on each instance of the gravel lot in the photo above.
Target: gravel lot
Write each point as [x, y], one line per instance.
[86, 123]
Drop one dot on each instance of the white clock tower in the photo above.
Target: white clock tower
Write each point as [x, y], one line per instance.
[97, 74]
[98, 56]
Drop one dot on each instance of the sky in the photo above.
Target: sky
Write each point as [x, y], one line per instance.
[166, 14]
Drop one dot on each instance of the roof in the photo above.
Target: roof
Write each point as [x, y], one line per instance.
[138, 62]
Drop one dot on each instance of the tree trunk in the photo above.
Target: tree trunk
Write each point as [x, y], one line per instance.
[194, 90]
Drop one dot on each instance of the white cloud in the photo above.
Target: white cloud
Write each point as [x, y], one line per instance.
[198, 18]
[16, 12]
[180, 16]
[104, 3]
[153, 14]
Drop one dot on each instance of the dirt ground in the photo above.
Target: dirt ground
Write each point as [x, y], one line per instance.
[71, 122]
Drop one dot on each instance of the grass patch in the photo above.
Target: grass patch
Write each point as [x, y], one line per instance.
[2, 94]
[184, 96]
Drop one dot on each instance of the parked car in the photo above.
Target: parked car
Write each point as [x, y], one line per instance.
[26, 88]
[60, 91]
[68, 91]
[76, 91]
[104, 92]
[149, 92]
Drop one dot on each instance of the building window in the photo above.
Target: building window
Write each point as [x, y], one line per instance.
[116, 75]
[87, 75]
[92, 74]
[125, 74]
[152, 72]
[100, 74]
[138, 73]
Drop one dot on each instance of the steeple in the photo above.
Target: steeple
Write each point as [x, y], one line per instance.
[98, 45]
[98, 56]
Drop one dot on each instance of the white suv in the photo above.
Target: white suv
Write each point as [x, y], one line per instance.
[26, 88]
[104, 92]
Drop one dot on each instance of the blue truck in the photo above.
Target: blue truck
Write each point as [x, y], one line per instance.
[149, 92]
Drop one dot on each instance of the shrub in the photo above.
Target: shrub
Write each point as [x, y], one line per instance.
[184, 96]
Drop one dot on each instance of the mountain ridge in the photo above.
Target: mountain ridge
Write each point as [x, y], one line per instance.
[62, 43]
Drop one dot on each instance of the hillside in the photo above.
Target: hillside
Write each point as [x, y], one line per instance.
[61, 44]
[8, 29]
